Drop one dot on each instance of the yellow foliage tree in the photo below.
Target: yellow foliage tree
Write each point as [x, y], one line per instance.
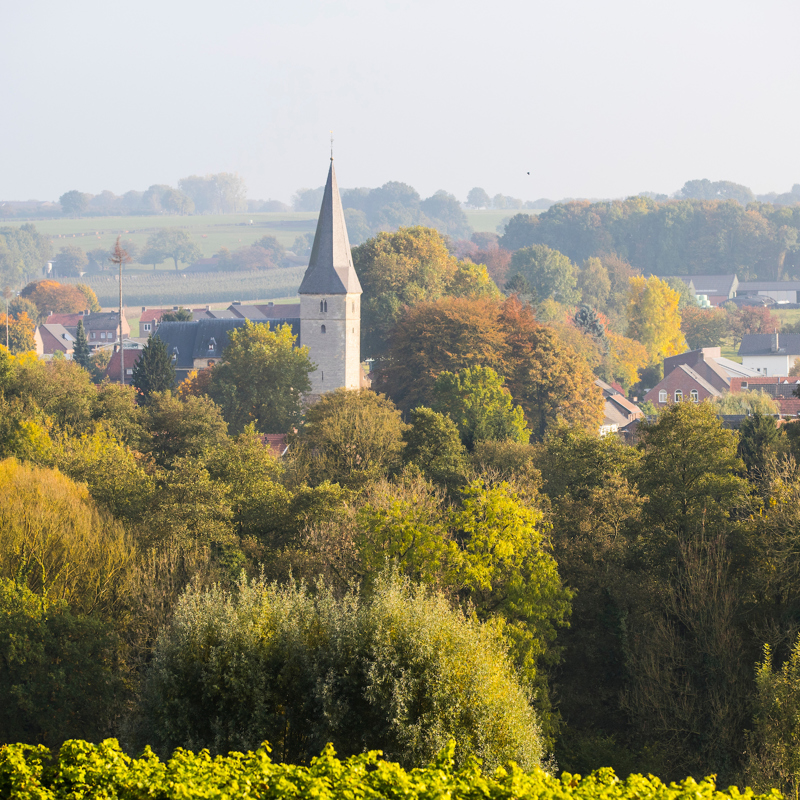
[653, 317]
[626, 357]
[52, 533]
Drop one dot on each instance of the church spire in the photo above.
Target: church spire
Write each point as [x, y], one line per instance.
[330, 268]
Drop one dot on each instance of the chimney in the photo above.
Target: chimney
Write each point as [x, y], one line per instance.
[270, 304]
[208, 308]
[143, 309]
[174, 308]
[81, 313]
[776, 346]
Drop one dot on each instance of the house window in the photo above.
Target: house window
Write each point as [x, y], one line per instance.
[92, 334]
[323, 329]
[744, 384]
[694, 395]
[662, 396]
[678, 395]
[102, 334]
[129, 372]
[210, 362]
[146, 326]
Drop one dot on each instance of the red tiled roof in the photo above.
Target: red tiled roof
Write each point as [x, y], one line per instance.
[789, 405]
[276, 443]
[771, 380]
[63, 319]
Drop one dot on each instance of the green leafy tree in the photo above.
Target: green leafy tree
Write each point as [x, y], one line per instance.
[397, 270]
[70, 261]
[549, 273]
[262, 379]
[482, 408]
[433, 445]
[81, 354]
[352, 437]
[152, 255]
[177, 315]
[478, 198]
[56, 670]
[74, 203]
[154, 371]
[758, 440]
[174, 243]
[594, 283]
[179, 428]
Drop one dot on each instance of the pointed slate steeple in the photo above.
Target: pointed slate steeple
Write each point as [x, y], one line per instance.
[330, 268]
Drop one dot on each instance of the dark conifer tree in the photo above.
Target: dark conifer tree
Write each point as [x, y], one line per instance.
[81, 354]
[153, 372]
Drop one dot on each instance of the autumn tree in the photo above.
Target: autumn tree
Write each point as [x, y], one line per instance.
[262, 378]
[594, 284]
[403, 269]
[654, 319]
[745, 320]
[52, 297]
[704, 327]
[434, 336]
[549, 381]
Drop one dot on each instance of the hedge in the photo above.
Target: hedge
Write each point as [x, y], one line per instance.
[83, 771]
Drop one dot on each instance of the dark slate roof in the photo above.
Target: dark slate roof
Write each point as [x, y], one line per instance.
[330, 268]
[101, 321]
[762, 344]
[206, 338]
[247, 312]
[179, 338]
[769, 286]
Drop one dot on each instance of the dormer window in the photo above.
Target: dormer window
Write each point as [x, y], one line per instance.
[174, 355]
[212, 344]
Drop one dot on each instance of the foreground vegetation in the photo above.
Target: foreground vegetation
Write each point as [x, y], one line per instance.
[86, 770]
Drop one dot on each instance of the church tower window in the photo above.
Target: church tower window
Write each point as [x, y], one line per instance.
[323, 329]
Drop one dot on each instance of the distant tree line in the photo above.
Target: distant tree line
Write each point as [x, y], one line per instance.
[678, 237]
[222, 193]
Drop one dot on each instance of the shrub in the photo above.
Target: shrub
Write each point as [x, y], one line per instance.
[401, 671]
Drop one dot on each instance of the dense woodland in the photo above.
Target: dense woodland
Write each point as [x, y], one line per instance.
[452, 554]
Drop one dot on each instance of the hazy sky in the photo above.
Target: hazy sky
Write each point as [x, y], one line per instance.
[594, 99]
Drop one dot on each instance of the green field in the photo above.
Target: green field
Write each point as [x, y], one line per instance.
[488, 220]
[210, 232]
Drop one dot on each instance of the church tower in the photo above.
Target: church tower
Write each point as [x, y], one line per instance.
[330, 301]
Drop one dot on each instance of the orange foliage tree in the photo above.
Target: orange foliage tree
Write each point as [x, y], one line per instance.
[51, 297]
[548, 379]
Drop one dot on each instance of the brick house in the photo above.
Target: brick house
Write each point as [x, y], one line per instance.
[682, 383]
[53, 338]
[112, 370]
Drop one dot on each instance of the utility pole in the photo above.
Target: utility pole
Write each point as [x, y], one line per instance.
[119, 256]
[7, 294]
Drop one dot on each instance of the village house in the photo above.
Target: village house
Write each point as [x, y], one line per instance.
[717, 289]
[682, 383]
[618, 411]
[101, 328]
[770, 353]
[779, 387]
[53, 338]
[131, 356]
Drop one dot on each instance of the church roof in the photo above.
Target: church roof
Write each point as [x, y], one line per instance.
[330, 268]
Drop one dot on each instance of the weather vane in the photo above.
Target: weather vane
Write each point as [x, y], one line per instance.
[331, 145]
